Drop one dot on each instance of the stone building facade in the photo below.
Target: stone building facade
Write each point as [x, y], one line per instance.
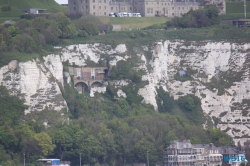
[147, 8]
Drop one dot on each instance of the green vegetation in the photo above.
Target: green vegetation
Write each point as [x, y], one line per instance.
[235, 10]
[196, 18]
[236, 7]
[134, 23]
[105, 129]
[50, 5]
[13, 12]
[223, 81]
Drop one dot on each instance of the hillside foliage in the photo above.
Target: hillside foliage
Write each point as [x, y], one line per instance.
[196, 18]
[105, 129]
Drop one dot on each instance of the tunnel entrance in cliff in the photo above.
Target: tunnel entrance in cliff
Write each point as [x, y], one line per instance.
[81, 87]
[96, 84]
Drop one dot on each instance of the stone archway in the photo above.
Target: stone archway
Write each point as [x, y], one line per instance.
[96, 84]
[81, 87]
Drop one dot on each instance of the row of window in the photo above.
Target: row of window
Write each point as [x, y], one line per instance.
[100, 13]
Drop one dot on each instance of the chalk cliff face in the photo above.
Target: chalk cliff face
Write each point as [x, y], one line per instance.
[224, 63]
[34, 83]
[219, 77]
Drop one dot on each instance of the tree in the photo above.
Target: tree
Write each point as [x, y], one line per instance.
[40, 24]
[45, 142]
[13, 30]
[67, 28]
[12, 108]
[165, 102]
[90, 148]
[142, 146]
[63, 142]
[52, 33]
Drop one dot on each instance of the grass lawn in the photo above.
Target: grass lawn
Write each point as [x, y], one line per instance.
[15, 12]
[133, 22]
[50, 5]
[235, 10]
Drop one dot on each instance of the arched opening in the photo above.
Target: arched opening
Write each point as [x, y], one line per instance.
[96, 84]
[81, 87]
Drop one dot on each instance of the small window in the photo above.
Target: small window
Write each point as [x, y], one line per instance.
[93, 1]
[94, 7]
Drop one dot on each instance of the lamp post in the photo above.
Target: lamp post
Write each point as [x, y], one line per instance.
[80, 160]
[24, 159]
[147, 158]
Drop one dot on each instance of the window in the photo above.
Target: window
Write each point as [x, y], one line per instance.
[94, 7]
[86, 1]
[172, 8]
[105, 13]
[93, 1]
[93, 13]
[111, 8]
[104, 7]
[81, 1]
[104, 1]
[86, 7]
[100, 7]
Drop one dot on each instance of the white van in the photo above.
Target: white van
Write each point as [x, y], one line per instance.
[112, 14]
[125, 14]
[136, 15]
[130, 14]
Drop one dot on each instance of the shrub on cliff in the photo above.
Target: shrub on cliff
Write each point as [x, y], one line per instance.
[196, 18]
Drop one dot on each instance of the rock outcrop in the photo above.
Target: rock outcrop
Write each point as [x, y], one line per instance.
[219, 76]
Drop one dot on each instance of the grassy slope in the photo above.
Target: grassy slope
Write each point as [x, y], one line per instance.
[50, 5]
[235, 10]
[127, 22]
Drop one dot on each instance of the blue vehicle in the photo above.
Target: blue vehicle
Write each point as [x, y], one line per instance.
[49, 162]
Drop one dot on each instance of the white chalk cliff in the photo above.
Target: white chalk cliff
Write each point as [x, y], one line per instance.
[38, 82]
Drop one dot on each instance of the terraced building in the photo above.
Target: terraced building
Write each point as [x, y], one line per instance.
[147, 8]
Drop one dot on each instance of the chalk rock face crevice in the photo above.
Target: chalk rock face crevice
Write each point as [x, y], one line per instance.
[32, 82]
